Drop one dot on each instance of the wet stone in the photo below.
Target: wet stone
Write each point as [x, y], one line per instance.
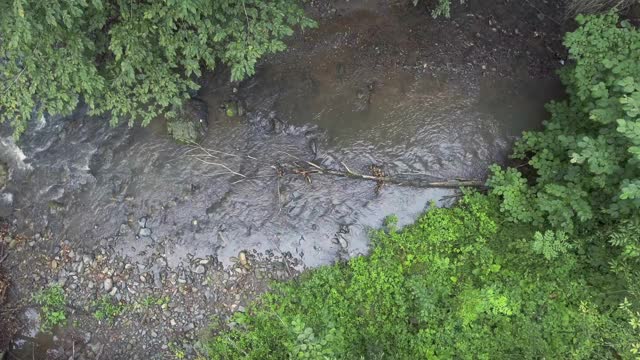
[343, 242]
[242, 258]
[162, 262]
[200, 269]
[124, 229]
[145, 232]
[191, 125]
[108, 284]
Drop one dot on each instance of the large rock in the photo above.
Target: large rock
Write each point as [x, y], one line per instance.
[191, 124]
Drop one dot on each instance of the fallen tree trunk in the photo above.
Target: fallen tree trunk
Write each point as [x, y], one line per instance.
[405, 181]
[416, 181]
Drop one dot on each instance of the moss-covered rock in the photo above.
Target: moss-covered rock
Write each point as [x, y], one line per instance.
[191, 125]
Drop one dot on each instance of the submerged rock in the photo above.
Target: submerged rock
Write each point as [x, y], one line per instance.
[145, 232]
[200, 269]
[191, 124]
[242, 257]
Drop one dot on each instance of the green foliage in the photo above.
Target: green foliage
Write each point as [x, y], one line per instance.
[106, 308]
[128, 59]
[53, 307]
[151, 301]
[587, 158]
[442, 8]
[178, 352]
[459, 283]
[307, 346]
[633, 331]
[551, 244]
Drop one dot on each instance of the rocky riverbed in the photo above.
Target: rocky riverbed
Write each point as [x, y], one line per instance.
[123, 309]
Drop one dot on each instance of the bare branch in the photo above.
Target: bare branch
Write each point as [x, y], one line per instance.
[220, 165]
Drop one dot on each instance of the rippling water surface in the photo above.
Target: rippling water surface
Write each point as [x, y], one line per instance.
[88, 183]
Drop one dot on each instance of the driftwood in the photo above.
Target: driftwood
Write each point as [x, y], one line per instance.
[415, 180]
[307, 169]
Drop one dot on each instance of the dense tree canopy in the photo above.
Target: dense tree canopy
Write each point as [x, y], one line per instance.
[130, 59]
[587, 159]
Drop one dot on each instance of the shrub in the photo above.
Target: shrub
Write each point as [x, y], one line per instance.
[459, 283]
[587, 158]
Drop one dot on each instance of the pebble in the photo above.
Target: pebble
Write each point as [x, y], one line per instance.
[124, 228]
[95, 347]
[200, 269]
[242, 257]
[162, 262]
[108, 284]
[156, 280]
[145, 232]
[342, 241]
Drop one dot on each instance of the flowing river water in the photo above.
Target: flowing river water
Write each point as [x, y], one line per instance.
[84, 181]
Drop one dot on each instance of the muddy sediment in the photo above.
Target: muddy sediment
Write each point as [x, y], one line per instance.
[378, 83]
